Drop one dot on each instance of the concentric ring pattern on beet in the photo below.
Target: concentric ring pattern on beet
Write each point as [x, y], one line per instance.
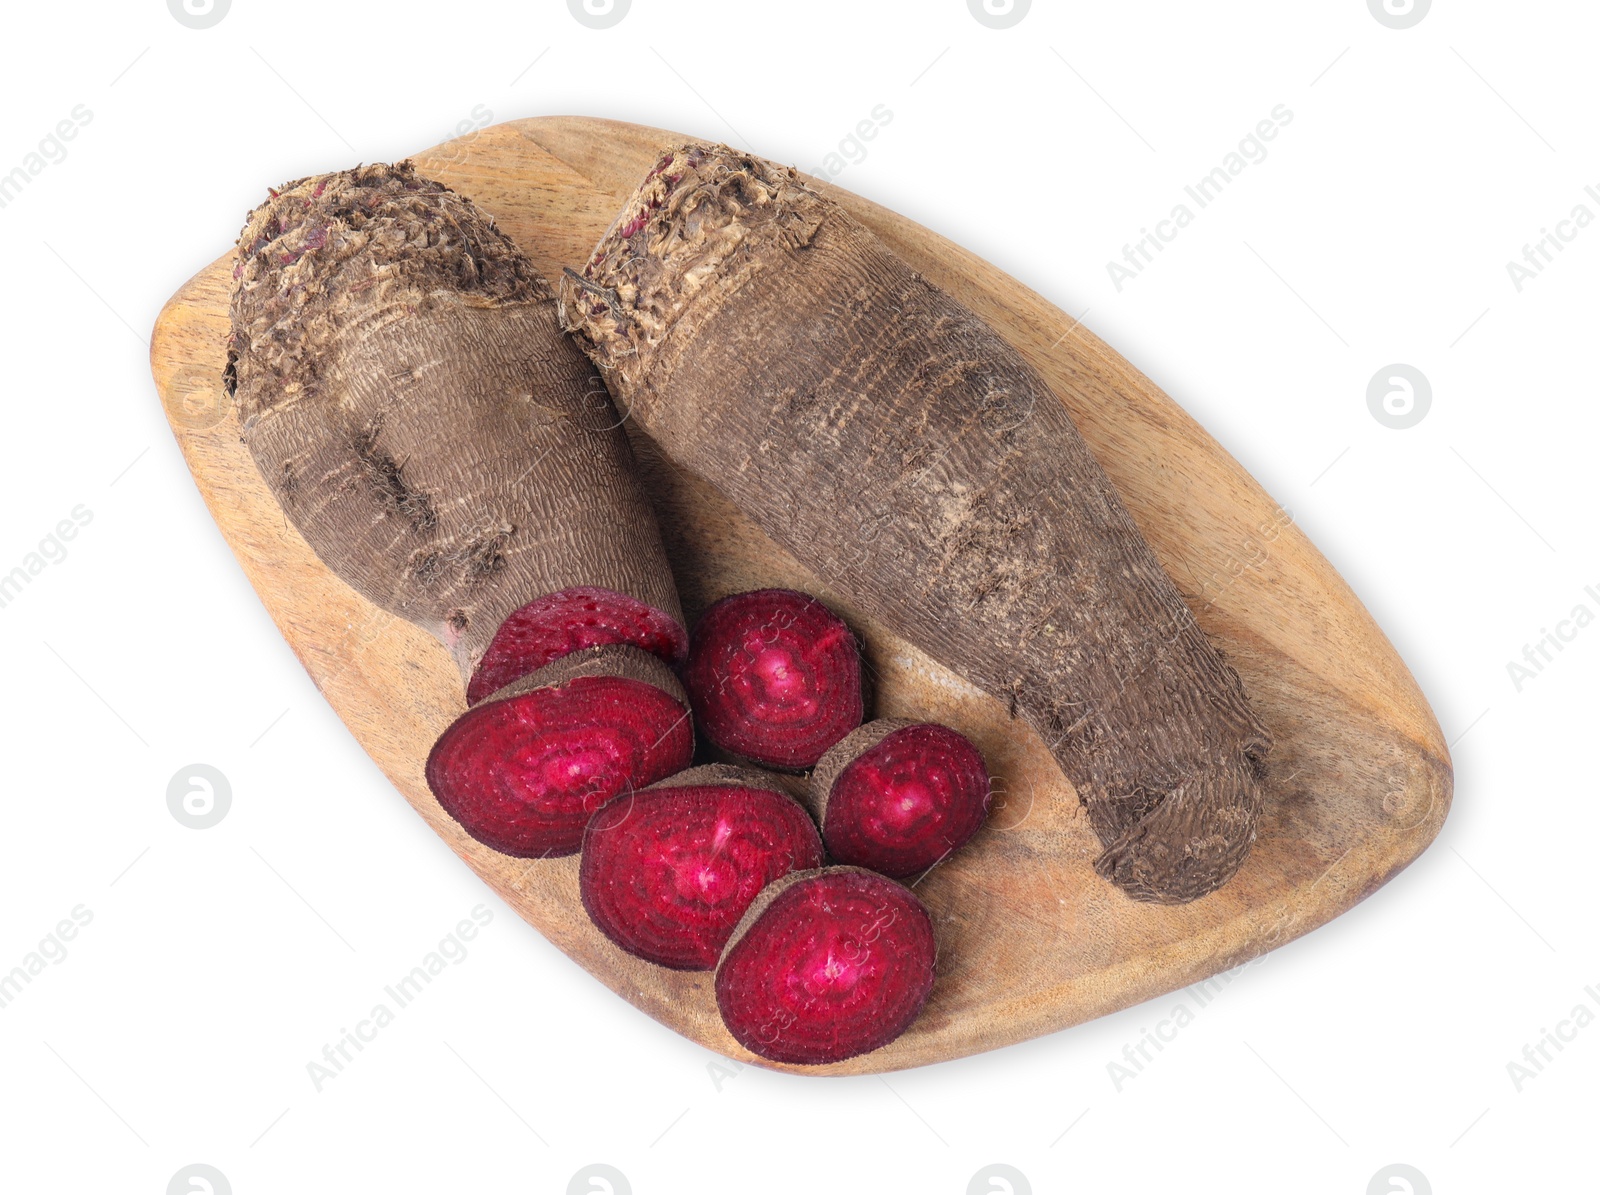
[826, 965]
[775, 677]
[667, 873]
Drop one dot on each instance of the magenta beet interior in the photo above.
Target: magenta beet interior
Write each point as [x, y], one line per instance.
[666, 874]
[907, 802]
[561, 623]
[839, 964]
[524, 774]
[774, 676]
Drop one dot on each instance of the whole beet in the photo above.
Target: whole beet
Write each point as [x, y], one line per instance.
[903, 451]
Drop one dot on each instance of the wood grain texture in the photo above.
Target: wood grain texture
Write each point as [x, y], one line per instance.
[1031, 941]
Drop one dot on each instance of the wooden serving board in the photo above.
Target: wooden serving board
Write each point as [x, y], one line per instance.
[1031, 940]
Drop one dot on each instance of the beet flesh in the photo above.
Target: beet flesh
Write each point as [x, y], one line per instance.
[668, 872]
[524, 770]
[774, 676]
[826, 965]
[897, 797]
[570, 620]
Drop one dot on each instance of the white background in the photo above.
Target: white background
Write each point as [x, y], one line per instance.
[178, 1027]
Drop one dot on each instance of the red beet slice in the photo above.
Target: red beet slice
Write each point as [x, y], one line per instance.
[774, 676]
[524, 770]
[899, 796]
[667, 872]
[567, 621]
[826, 965]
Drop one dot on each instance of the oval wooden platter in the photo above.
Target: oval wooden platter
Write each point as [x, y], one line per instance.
[1031, 940]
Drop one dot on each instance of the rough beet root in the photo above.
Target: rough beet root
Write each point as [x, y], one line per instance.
[561, 623]
[407, 395]
[774, 676]
[826, 965]
[900, 448]
[898, 796]
[668, 872]
[524, 770]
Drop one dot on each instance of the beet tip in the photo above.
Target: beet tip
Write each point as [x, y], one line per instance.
[524, 770]
[668, 872]
[826, 965]
[897, 796]
[774, 676]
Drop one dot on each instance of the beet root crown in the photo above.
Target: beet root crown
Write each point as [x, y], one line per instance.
[826, 965]
[774, 676]
[524, 770]
[668, 872]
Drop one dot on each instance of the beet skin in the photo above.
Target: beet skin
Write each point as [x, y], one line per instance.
[405, 391]
[915, 462]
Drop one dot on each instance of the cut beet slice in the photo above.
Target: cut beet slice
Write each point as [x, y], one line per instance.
[826, 965]
[899, 796]
[668, 872]
[774, 676]
[561, 623]
[524, 770]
